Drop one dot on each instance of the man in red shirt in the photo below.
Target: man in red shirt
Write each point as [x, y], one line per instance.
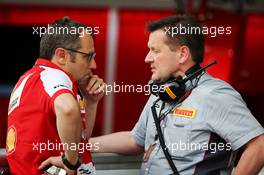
[44, 118]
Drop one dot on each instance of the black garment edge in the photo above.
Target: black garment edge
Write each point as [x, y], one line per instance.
[162, 142]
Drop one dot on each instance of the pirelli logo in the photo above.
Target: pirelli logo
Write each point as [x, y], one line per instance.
[185, 112]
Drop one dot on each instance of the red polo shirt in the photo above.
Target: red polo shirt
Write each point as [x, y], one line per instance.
[32, 133]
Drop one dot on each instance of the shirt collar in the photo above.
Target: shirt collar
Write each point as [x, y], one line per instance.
[48, 63]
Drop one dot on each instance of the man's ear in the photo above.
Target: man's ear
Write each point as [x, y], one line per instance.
[60, 56]
[184, 54]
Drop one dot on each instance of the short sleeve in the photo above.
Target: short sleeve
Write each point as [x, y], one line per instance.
[55, 82]
[228, 116]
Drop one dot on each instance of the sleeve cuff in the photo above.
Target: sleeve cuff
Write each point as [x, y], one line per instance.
[137, 138]
[246, 138]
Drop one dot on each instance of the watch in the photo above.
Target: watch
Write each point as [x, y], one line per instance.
[69, 164]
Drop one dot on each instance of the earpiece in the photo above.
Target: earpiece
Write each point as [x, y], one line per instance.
[170, 90]
[174, 89]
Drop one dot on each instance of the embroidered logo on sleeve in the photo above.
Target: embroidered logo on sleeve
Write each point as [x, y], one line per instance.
[185, 112]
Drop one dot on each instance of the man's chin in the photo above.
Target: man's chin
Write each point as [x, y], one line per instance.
[155, 78]
[84, 81]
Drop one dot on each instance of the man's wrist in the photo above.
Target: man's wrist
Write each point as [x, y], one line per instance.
[90, 103]
[68, 164]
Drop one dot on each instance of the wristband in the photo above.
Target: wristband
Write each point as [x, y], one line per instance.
[69, 164]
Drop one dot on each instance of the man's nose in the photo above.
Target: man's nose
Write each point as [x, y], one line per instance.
[148, 58]
[92, 64]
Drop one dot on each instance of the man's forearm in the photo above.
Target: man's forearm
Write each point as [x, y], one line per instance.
[68, 124]
[120, 142]
[69, 132]
[252, 159]
[90, 109]
[92, 91]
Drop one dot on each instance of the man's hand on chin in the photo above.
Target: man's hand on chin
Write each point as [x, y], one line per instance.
[92, 89]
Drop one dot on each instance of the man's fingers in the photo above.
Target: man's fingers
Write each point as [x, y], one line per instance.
[101, 89]
[45, 163]
[92, 81]
[96, 86]
[94, 90]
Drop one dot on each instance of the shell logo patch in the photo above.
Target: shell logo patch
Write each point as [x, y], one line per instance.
[82, 104]
[185, 112]
[11, 140]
